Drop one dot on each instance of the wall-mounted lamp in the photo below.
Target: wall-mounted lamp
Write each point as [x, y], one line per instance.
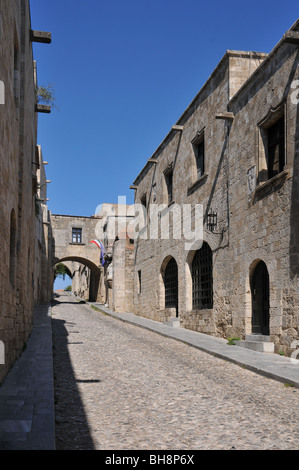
[212, 221]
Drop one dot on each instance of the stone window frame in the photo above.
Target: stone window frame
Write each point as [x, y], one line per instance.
[169, 171]
[196, 142]
[143, 214]
[198, 179]
[204, 277]
[76, 227]
[272, 117]
[143, 200]
[154, 192]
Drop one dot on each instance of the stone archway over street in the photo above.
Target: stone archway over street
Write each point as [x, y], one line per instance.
[72, 236]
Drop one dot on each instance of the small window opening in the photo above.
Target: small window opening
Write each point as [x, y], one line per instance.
[169, 184]
[77, 235]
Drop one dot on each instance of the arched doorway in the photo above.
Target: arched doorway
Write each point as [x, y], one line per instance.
[260, 299]
[94, 276]
[171, 285]
[202, 278]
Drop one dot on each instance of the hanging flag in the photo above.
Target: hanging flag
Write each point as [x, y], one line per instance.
[101, 247]
[96, 242]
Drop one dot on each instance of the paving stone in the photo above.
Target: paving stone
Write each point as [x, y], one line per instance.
[129, 388]
[27, 393]
[123, 387]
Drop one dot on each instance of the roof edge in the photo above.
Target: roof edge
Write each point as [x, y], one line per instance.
[180, 121]
[268, 57]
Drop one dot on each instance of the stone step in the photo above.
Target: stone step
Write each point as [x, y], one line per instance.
[260, 346]
[257, 337]
[173, 322]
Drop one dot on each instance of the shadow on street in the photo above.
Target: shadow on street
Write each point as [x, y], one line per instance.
[71, 428]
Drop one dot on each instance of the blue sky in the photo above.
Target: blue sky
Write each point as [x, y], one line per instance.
[123, 73]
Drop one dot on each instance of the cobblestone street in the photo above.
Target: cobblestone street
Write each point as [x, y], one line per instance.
[120, 387]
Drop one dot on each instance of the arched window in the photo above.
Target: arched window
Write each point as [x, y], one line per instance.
[202, 278]
[12, 248]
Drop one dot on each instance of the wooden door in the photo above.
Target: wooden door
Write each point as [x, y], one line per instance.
[260, 300]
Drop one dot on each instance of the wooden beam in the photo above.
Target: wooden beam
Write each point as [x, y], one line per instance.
[291, 37]
[41, 36]
[225, 115]
[42, 108]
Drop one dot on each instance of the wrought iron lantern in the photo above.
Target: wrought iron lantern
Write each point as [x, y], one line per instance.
[212, 221]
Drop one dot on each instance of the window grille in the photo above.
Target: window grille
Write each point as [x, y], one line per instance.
[171, 284]
[202, 278]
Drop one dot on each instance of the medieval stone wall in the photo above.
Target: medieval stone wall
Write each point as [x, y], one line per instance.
[67, 246]
[208, 189]
[256, 219]
[18, 180]
[262, 217]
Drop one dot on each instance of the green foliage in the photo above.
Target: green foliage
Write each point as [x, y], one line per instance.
[68, 288]
[60, 271]
[46, 95]
[231, 341]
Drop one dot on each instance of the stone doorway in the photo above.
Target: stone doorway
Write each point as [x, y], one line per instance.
[171, 285]
[260, 300]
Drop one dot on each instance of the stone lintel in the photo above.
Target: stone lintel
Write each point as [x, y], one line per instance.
[291, 37]
[225, 115]
[41, 36]
[42, 108]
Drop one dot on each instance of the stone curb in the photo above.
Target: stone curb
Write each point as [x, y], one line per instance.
[274, 366]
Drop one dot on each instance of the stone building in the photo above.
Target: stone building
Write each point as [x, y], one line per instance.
[43, 269]
[20, 161]
[98, 253]
[71, 246]
[115, 230]
[231, 160]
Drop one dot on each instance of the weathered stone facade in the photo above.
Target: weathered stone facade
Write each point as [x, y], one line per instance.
[114, 231]
[103, 275]
[222, 155]
[20, 199]
[72, 236]
[43, 269]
